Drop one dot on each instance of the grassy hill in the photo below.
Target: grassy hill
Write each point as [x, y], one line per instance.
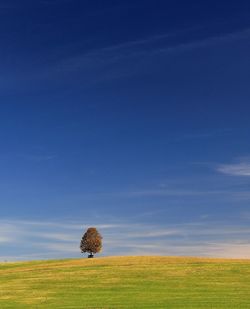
[126, 282]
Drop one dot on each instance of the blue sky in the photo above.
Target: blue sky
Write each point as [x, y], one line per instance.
[131, 116]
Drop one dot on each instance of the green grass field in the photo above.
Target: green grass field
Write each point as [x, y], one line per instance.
[126, 282]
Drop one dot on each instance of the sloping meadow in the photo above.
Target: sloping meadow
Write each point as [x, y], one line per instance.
[126, 282]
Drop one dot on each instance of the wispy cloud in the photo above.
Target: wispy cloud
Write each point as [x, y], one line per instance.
[205, 134]
[219, 250]
[38, 157]
[4, 239]
[241, 168]
[150, 46]
[178, 191]
[169, 192]
[211, 40]
[124, 59]
[36, 240]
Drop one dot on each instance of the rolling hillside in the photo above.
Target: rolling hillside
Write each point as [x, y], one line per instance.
[126, 282]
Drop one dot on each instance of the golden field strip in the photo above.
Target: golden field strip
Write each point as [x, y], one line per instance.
[126, 282]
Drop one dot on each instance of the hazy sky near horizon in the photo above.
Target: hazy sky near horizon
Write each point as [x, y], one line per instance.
[132, 116]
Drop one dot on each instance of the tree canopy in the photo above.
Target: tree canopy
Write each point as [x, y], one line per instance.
[91, 241]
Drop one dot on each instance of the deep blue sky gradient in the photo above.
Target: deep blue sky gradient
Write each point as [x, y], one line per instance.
[125, 112]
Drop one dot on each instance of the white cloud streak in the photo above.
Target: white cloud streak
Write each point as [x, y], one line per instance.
[39, 240]
[105, 56]
[241, 168]
[38, 158]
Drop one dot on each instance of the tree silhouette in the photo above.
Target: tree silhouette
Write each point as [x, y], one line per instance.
[91, 242]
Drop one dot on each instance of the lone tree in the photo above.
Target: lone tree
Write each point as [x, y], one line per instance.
[91, 242]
